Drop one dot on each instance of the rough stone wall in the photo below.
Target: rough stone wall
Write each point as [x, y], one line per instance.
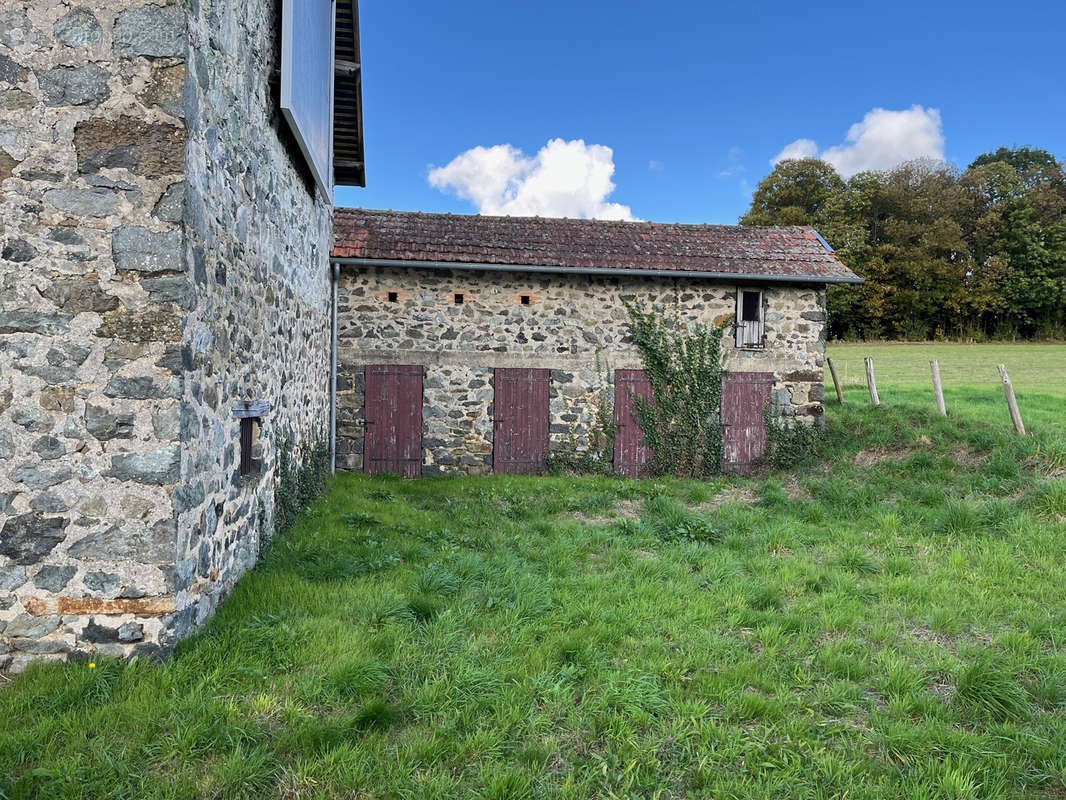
[92, 294]
[457, 420]
[257, 242]
[351, 416]
[152, 272]
[574, 325]
[575, 399]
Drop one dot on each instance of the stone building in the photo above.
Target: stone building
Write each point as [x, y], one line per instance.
[471, 344]
[164, 278]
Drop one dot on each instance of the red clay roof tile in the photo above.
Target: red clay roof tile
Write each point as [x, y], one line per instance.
[542, 243]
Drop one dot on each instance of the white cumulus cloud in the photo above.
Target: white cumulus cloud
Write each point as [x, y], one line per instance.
[801, 148]
[564, 179]
[880, 141]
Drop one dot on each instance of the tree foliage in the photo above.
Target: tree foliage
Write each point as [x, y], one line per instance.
[976, 254]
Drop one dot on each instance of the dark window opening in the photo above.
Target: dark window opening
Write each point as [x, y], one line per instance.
[525, 299]
[751, 332]
[393, 297]
[750, 310]
[250, 465]
[459, 299]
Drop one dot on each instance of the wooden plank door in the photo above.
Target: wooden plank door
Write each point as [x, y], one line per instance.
[520, 430]
[393, 420]
[632, 456]
[744, 396]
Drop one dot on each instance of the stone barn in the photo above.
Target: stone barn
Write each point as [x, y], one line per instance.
[473, 345]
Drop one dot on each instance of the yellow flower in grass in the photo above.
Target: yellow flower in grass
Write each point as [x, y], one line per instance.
[92, 665]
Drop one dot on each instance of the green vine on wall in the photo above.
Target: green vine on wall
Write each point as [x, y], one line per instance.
[301, 478]
[681, 422]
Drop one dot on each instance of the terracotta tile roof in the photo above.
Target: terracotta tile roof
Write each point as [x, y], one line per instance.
[543, 244]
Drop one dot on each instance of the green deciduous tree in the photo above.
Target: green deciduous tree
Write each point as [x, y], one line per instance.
[944, 253]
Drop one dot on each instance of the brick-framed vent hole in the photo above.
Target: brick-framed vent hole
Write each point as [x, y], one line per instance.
[393, 297]
[460, 298]
[524, 299]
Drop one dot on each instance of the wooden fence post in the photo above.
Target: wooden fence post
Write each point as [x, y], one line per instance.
[871, 383]
[836, 383]
[1012, 404]
[934, 365]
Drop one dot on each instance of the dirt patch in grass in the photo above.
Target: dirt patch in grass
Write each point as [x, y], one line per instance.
[942, 689]
[967, 457]
[925, 635]
[879, 455]
[734, 494]
[795, 490]
[626, 509]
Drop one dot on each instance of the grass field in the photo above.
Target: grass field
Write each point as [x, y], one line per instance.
[888, 622]
[971, 382]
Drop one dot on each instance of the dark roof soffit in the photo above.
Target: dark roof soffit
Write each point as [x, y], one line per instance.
[348, 161]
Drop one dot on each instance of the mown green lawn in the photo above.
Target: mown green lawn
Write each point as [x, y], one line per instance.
[889, 621]
[971, 381]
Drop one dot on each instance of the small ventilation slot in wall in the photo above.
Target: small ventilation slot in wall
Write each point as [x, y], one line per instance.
[250, 414]
[524, 299]
[459, 298]
[393, 297]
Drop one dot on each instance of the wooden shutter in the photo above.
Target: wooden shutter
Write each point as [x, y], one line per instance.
[632, 456]
[393, 420]
[520, 428]
[744, 396]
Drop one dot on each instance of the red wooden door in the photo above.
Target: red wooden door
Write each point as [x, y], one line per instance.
[520, 432]
[744, 396]
[632, 456]
[393, 420]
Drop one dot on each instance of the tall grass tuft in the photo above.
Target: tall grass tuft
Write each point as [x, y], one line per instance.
[958, 518]
[672, 522]
[1049, 498]
[990, 690]
[358, 677]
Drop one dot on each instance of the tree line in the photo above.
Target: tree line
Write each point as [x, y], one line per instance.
[974, 254]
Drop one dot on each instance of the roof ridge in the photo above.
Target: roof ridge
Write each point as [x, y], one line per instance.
[551, 220]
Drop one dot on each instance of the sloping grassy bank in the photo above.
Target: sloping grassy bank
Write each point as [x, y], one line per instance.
[886, 621]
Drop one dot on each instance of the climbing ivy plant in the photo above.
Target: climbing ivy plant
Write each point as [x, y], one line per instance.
[681, 421]
[301, 478]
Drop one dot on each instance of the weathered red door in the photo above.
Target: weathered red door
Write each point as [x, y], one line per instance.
[632, 456]
[744, 396]
[393, 420]
[520, 432]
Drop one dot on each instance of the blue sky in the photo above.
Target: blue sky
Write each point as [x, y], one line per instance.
[693, 100]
